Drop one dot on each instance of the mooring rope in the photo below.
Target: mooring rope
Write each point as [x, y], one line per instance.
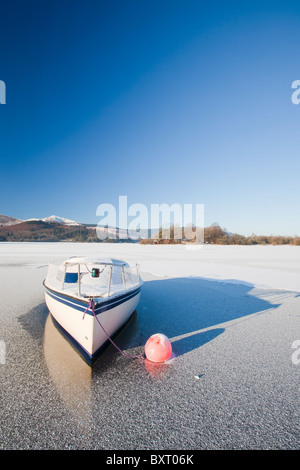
[91, 307]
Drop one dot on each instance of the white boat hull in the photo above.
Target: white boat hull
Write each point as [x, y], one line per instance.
[82, 327]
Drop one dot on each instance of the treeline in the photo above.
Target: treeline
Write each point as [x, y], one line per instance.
[215, 235]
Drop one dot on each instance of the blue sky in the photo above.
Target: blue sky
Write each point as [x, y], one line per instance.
[183, 102]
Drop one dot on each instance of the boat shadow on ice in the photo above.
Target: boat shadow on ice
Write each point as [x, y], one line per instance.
[34, 321]
[182, 308]
[190, 311]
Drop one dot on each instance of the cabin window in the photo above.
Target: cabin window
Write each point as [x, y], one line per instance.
[71, 278]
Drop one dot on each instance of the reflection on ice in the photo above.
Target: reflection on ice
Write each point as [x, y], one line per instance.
[70, 374]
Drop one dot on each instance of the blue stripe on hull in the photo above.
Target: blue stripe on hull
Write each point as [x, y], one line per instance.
[99, 308]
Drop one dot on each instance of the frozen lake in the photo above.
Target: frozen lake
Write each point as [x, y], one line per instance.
[232, 314]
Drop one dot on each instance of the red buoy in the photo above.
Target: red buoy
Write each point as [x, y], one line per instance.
[158, 348]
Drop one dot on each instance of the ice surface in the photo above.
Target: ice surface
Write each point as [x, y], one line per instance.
[232, 314]
[276, 267]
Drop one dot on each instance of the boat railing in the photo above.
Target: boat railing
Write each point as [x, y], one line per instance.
[93, 279]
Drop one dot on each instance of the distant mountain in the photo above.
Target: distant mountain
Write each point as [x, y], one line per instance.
[6, 220]
[95, 231]
[59, 230]
[54, 219]
[121, 234]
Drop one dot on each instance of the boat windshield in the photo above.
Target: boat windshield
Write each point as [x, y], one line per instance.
[85, 278]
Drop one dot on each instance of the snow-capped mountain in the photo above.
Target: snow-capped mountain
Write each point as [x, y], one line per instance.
[6, 220]
[60, 220]
[57, 220]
